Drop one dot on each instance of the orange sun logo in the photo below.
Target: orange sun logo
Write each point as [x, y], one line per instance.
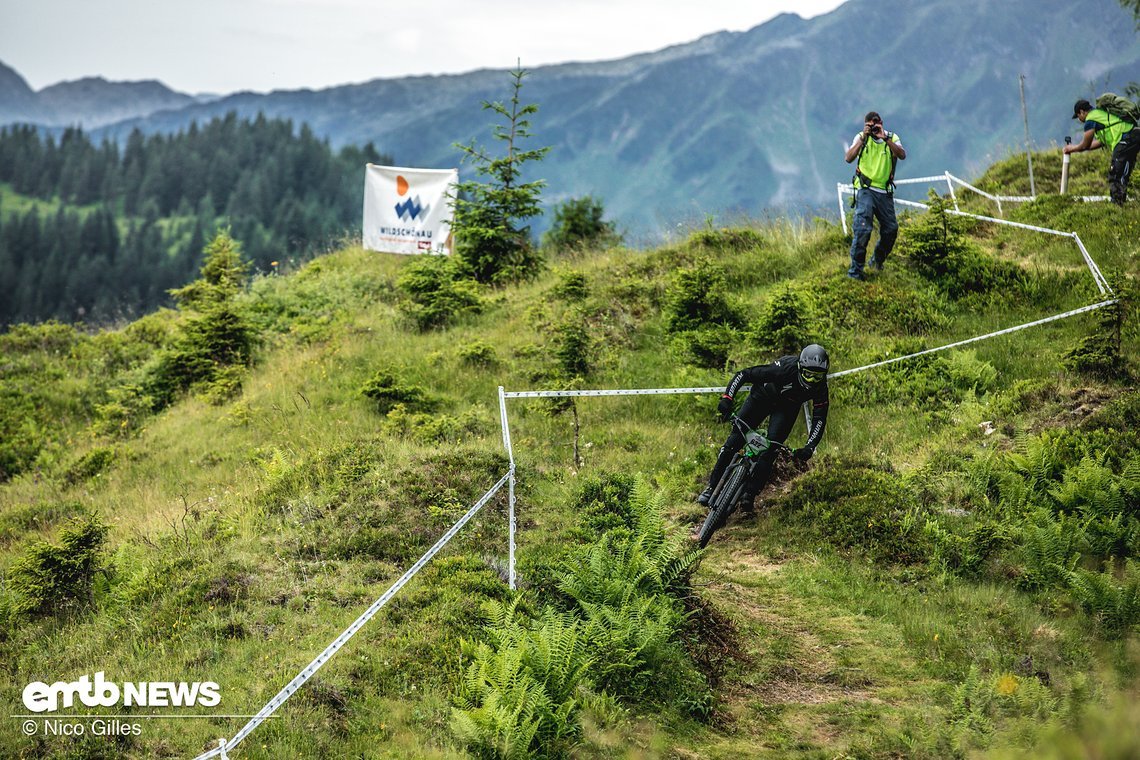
[401, 185]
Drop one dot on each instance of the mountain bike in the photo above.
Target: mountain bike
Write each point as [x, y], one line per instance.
[735, 477]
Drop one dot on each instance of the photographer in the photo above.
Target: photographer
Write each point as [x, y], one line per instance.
[875, 151]
[1106, 130]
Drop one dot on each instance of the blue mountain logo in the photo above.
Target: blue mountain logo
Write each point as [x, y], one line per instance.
[411, 209]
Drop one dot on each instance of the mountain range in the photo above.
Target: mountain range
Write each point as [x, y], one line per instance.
[732, 123]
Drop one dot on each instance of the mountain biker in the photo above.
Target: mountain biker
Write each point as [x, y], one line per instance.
[778, 391]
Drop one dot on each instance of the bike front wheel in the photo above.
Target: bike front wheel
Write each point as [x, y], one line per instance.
[723, 502]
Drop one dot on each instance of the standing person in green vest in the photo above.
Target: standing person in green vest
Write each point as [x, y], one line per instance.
[875, 151]
[1103, 129]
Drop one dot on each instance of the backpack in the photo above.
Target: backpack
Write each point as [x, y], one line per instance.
[1121, 108]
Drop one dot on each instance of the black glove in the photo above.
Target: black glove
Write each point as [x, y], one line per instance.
[803, 454]
[724, 408]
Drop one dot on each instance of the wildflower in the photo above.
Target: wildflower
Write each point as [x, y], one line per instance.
[1006, 684]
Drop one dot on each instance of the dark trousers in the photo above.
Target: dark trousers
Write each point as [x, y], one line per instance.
[870, 205]
[753, 412]
[1123, 161]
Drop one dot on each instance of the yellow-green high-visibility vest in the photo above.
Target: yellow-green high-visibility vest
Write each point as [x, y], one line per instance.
[1114, 127]
[876, 162]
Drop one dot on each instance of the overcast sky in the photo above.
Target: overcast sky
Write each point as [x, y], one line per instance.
[222, 46]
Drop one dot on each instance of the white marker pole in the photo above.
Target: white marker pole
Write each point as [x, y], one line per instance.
[1065, 168]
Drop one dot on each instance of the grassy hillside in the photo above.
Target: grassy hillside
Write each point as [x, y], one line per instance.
[951, 575]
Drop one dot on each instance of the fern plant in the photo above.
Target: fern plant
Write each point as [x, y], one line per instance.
[1049, 549]
[1090, 488]
[619, 629]
[1039, 461]
[627, 586]
[651, 558]
[519, 697]
[1113, 601]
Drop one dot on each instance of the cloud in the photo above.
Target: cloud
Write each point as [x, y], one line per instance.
[230, 45]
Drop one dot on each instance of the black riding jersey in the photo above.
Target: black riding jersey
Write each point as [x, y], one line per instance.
[779, 383]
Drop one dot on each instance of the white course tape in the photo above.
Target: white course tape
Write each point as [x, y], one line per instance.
[641, 391]
[968, 341]
[831, 376]
[921, 180]
[968, 186]
[272, 705]
[1098, 277]
[1101, 282]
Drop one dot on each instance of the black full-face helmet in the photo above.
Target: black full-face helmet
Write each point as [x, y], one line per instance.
[813, 365]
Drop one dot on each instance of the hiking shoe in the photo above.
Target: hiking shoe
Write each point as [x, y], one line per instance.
[876, 265]
[856, 276]
[1116, 193]
[705, 496]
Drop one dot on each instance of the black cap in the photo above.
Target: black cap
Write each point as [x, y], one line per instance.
[1081, 105]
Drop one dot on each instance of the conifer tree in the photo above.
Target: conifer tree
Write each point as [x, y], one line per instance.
[492, 237]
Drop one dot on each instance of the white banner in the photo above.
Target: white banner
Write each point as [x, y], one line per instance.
[408, 210]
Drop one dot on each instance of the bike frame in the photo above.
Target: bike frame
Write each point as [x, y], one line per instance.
[735, 477]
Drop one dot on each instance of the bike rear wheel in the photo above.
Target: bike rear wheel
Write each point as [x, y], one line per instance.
[723, 501]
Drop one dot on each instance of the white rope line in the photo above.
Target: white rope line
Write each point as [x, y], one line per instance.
[614, 392]
[831, 376]
[968, 341]
[272, 705]
[920, 180]
[1098, 277]
[1101, 282]
[968, 186]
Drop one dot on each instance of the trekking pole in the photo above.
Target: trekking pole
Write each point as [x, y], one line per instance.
[1065, 168]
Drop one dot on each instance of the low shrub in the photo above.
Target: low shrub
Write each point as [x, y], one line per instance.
[786, 323]
[882, 305]
[861, 507]
[603, 504]
[710, 347]
[90, 465]
[387, 390]
[571, 286]
[478, 354]
[126, 408]
[21, 438]
[437, 292]
[50, 577]
[926, 382]
[934, 248]
[578, 225]
[697, 298]
[434, 427]
[728, 239]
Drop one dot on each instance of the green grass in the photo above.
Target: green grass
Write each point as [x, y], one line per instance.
[245, 536]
